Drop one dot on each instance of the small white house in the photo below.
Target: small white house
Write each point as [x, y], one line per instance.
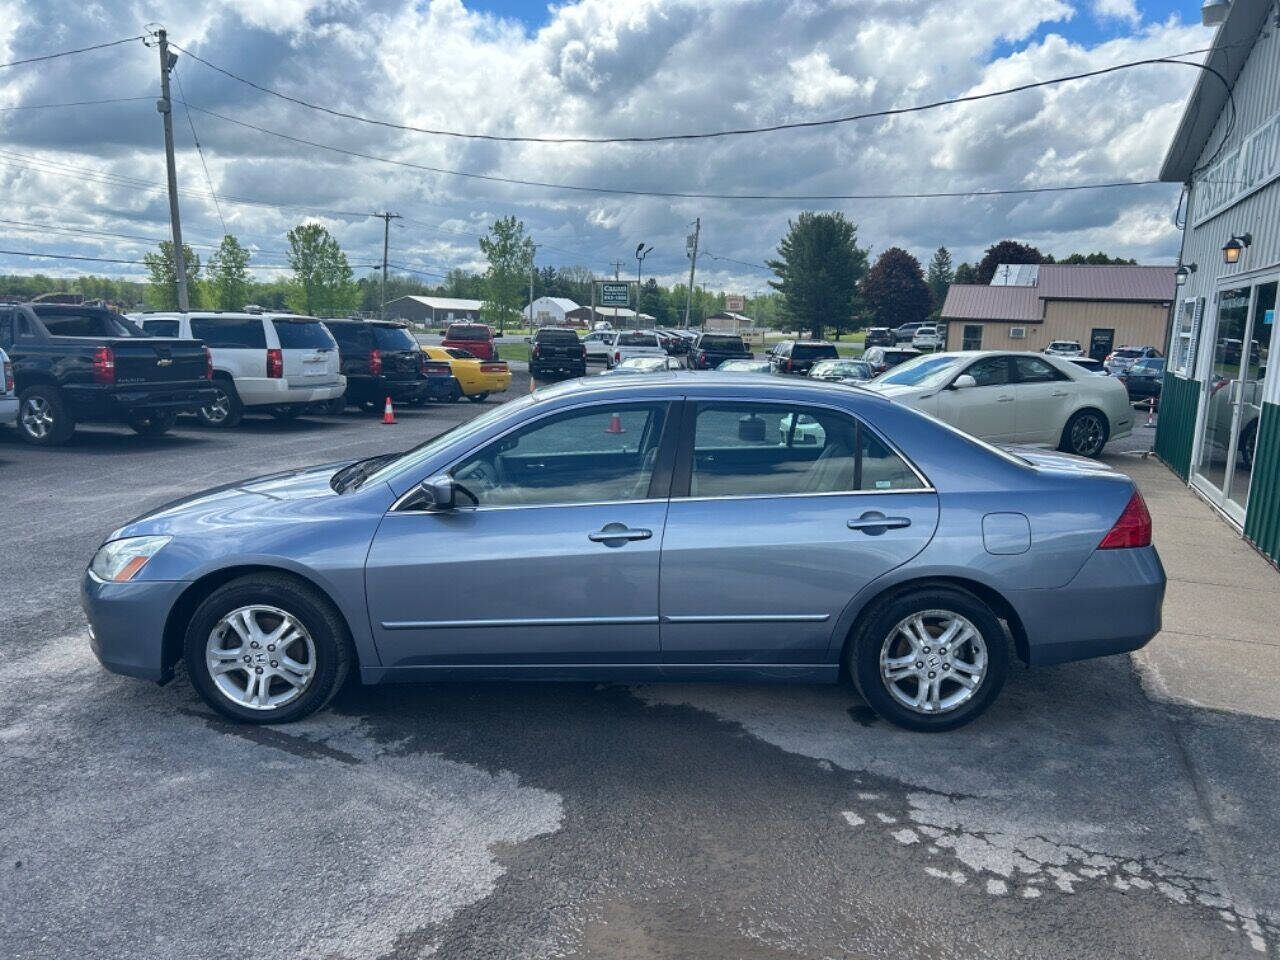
[549, 311]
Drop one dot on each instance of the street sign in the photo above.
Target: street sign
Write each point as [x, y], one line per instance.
[615, 294]
[735, 303]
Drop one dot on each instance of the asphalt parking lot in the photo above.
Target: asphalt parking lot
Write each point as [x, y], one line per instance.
[1077, 818]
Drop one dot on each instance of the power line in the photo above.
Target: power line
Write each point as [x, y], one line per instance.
[74, 103]
[68, 53]
[743, 263]
[71, 256]
[673, 194]
[191, 123]
[708, 134]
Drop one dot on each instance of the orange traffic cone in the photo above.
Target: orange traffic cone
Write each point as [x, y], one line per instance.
[388, 415]
[615, 425]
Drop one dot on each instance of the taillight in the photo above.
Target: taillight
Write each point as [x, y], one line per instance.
[584, 351]
[275, 363]
[422, 362]
[702, 358]
[104, 365]
[617, 356]
[537, 350]
[493, 367]
[1133, 529]
[1109, 358]
[208, 364]
[375, 363]
[790, 365]
[438, 370]
[8, 378]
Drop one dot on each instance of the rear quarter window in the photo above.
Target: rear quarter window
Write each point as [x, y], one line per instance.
[303, 335]
[160, 328]
[230, 332]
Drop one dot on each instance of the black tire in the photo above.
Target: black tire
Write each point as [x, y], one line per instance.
[1085, 434]
[877, 631]
[42, 417]
[287, 411]
[455, 393]
[226, 411]
[154, 423]
[1248, 444]
[336, 407]
[305, 604]
[478, 397]
[371, 406]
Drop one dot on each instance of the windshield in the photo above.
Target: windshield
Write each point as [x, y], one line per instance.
[411, 459]
[467, 332]
[393, 338]
[922, 371]
[842, 368]
[303, 334]
[557, 336]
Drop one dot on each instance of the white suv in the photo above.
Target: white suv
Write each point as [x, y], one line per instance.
[926, 338]
[274, 362]
[625, 344]
[598, 343]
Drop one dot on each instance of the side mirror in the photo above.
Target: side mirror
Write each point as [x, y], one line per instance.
[963, 381]
[441, 493]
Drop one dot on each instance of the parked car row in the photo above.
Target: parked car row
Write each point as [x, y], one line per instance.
[78, 364]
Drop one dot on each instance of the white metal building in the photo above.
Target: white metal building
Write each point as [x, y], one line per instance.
[549, 311]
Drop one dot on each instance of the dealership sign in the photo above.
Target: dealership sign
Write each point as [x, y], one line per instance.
[735, 303]
[1245, 170]
[615, 294]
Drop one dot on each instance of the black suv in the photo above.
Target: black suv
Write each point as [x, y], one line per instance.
[380, 359]
[557, 351]
[797, 356]
[712, 349]
[880, 337]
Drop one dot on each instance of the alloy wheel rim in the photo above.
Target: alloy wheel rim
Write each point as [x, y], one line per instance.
[260, 657]
[933, 662]
[1086, 435]
[217, 411]
[37, 417]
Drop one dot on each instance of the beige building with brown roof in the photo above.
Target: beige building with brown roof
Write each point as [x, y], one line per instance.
[1100, 307]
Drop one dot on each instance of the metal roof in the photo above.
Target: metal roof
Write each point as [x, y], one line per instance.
[1232, 45]
[444, 303]
[1015, 275]
[1127, 283]
[978, 301]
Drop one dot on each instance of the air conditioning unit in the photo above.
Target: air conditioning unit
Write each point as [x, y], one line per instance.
[1017, 333]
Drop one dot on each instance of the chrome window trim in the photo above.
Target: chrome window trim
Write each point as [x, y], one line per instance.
[522, 506]
[926, 485]
[794, 496]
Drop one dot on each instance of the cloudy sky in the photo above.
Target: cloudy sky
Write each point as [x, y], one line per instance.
[591, 68]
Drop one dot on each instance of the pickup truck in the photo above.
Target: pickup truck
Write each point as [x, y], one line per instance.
[712, 349]
[86, 364]
[557, 350]
[632, 343]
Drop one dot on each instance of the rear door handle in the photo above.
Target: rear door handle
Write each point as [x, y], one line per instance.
[618, 531]
[874, 521]
[1004, 399]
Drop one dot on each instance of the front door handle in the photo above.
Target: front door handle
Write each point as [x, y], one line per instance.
[1005, 399]
[875, 522]
[618, 532]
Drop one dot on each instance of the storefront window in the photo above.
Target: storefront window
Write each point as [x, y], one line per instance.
[1186, 330]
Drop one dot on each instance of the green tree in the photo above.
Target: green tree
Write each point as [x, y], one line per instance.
[1007, 251]
[229, 275]
[506, 281]
[323, 284]
[655, 301]
[1098, 259]
[819, 267]
[965, 273]
[162, 277]
[940, 276]
[895, 289]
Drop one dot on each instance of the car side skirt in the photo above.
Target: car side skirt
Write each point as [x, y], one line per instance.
[609, 673]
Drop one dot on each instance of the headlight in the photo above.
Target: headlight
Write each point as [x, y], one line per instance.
[120, 560]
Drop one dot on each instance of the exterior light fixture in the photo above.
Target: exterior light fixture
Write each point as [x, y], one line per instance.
[1183, 273]
[1213, 12]
[1235, 246]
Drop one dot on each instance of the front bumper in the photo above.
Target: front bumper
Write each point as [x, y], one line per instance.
[127, 623]
[1113, 605]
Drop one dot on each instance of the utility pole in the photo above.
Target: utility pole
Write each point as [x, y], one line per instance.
[693, 263]
[386, 242]
[165, 106]
[533, 252]
[617, 275]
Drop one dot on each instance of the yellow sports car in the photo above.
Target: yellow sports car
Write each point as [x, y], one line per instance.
[476, 378]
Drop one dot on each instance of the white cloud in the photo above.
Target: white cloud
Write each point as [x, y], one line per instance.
[1126, 10]
[606, 67]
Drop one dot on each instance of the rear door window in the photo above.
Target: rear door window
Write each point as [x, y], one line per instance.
[230, 332]
[1033, 370]
[161, 328]
[303, 335]
[990, 372]
[753, 450]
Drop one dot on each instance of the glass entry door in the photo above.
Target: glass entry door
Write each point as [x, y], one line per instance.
[1233, 394]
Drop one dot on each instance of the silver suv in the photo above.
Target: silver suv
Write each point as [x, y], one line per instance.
[277, 363]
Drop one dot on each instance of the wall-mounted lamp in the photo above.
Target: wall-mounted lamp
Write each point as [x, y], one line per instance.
[1235, 246]
[1213, 12]
[1183, 273]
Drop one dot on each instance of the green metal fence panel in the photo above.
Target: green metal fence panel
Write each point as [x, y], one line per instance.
[1262, 522]
[1176, 427]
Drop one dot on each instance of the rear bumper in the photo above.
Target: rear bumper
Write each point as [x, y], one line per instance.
[8, 409]
[275, 392]
[376, 389]
[126, 624]
[1113, 605]
[86, 402]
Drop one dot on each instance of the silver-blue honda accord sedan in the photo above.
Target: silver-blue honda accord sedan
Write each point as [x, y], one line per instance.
[675, 527]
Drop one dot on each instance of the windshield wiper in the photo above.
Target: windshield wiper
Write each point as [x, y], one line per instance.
[353, 474]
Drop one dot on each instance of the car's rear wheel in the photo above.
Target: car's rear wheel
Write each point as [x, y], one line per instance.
[1085, 434]
[478, 397]
[455, 393]
[225, 410]
[287, 411]
[267, 649]
[337, 406]
[931, 659]
[42, 418]
[154, 423]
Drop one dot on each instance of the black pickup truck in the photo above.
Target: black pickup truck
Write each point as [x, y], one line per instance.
[712, 349]
[557, 350]
[76, 363]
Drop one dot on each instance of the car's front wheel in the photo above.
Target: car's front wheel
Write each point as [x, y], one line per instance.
[930, 659]
[1085, 434]
[267, 649]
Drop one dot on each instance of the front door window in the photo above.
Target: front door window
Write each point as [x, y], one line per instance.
[1223, 386]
